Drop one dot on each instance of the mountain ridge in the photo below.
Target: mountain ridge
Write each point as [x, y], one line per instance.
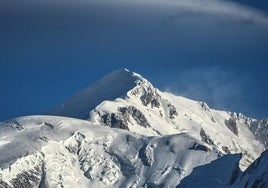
[135, 136]
[139, 107]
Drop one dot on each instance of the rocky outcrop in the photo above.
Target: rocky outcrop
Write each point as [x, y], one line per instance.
[137, 115]
[232, 125]
[15, 124]
[260, 130]
[172, 111]
[205, 138]
[146, 155]
[29, 172]
[27, 179]
[121, 118]
[151, 96]
[115, 121]
[225, 149]
[206, 108]
[200, 147]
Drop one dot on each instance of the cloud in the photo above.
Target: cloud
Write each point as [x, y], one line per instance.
[221, 88]
[223, 10]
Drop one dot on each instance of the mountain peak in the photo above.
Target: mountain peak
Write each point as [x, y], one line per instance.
[125, 69]
[114, 85]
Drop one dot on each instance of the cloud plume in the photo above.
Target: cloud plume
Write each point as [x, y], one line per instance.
[221, 88]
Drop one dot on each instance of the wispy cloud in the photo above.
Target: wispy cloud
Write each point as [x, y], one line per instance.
[221, 88]
[223, 10]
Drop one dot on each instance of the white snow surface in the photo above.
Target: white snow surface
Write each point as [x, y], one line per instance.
[124, 132]
[191, 116]
[64, 152]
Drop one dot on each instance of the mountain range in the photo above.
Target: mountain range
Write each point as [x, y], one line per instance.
[121, 131]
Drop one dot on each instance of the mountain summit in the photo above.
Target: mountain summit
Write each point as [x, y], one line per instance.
[123, 132]
[112, 86]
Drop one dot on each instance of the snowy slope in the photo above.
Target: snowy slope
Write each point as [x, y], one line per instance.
[56, 151]
[146, 110]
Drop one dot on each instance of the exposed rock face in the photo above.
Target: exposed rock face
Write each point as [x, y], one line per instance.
[115, 121]
[258, 127]
[260, 130]
[146, 155]
[15, 124]
[205, 138]
[137, 115]
[226, 149]
[200, 147]
[152, 97]
[29, 174]
[27, 179]
[232, 125]
[172, 111]
[147, 93]
[121, 118]
[4, 184]
[206, 108]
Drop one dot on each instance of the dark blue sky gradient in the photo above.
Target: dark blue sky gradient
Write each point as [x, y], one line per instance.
[49, 51]
[258, 4]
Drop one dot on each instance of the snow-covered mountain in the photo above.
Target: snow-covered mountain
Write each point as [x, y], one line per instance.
[163, 140]
[59, 151]
[136, 105]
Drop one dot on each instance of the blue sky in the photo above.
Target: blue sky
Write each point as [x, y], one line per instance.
[216, 53]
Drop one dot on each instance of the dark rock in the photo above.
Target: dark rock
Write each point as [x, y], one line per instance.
[16, 125]
[145, 154]
[152, 97]
[121, 118]
[49, 125]
[4, 184]
[204, 106]
[226, 149]
[232, 125]
[197, 146]
[27, 179]
[260, 130]
[138, 116]
[172, 111]
[115, 121]
[205, 138]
